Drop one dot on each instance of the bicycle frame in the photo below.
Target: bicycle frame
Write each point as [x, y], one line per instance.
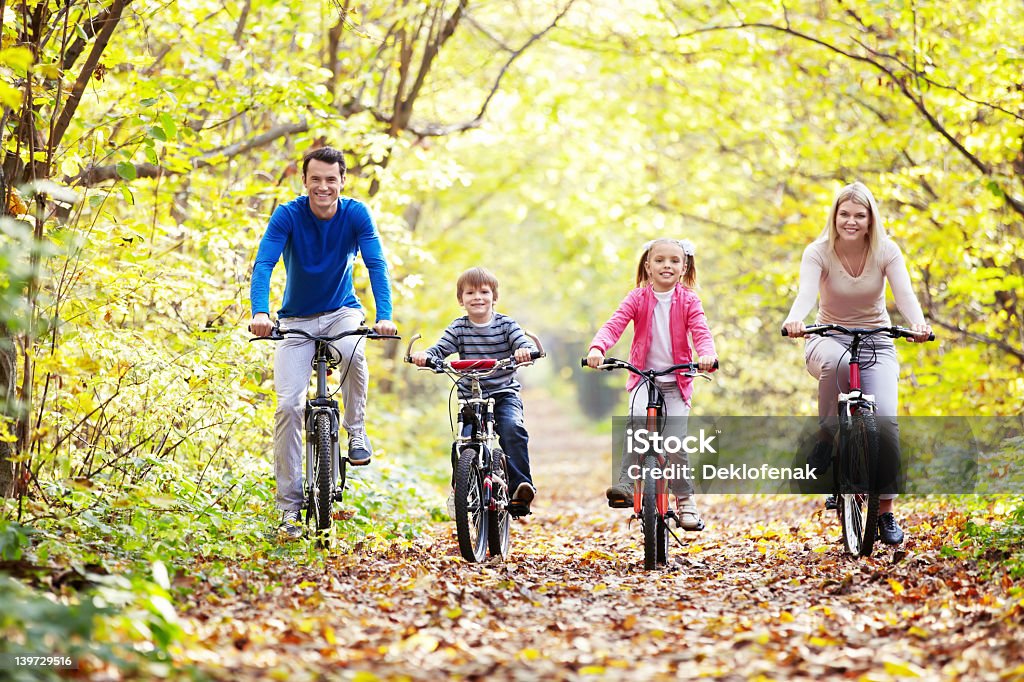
[480, 486]
[861, 469]
[322, 405]
[655, 526]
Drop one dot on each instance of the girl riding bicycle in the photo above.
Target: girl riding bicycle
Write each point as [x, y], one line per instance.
[666, 313]
[848, 265]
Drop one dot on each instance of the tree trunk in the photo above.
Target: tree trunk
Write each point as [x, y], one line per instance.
[8, 411]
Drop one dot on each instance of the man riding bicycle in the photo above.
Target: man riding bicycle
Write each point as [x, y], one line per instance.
[318, 235]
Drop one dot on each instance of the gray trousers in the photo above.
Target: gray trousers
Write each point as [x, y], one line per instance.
[292, 369]
[828, 361]
[675, 407]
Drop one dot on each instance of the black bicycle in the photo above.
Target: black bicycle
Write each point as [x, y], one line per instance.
[857, 475]
[480, 469]
[325, 466]
[650, 501]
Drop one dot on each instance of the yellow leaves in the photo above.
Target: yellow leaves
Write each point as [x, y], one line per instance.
[596, 554]
[897, 587]
[17, 58]
[902, 669]
[15, 205]
[816, 640]
[786, 617]
[529, 654]
[600, 587]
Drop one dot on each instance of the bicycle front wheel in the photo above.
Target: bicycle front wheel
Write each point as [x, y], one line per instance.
[649, 514]
[320, 491]
[470, 512]
[498, 533]
[858, 499]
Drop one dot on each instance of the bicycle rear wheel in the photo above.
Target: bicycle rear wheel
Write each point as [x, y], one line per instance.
[498, 534]
[649, 513]
[858, 499]
[662, 541]
[320, 490]
[470, 513]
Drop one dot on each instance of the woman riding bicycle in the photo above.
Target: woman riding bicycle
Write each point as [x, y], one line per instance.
[848, 265]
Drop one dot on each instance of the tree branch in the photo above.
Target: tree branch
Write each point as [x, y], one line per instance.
[1014, 203]
[440, 129]
[988, 340]
[110, 23]
[95, 175]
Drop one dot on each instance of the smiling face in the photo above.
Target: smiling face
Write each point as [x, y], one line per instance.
[323, 181]
[478, 300]
[665, 265]
[853, 222]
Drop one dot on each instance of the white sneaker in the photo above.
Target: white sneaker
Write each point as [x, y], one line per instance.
[687, 515]
[451, 505]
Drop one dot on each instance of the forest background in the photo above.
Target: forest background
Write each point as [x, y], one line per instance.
[146, 143]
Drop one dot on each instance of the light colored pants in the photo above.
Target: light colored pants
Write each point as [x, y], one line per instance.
[828, 361]
[675, 407]
[293, 366]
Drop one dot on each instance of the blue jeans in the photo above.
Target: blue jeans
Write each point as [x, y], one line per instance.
[512, 438]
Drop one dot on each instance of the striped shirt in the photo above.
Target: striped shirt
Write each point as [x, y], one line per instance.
[498, 339]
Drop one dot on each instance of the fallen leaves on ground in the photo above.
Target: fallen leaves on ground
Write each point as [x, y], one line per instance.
[766, 592]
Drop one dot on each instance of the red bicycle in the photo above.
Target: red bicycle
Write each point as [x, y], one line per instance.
[856, 457]
[650, 502]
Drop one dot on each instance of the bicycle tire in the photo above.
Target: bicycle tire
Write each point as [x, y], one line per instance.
[321, 490]
[498, 523]
[649, 513]
[662, 541]
[859, 501]
[470, 514]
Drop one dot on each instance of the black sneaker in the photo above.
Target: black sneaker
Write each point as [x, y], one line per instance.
[888, 530]
[358, 450]
[291, 525]
[831, 502]
[820, 458]
[521, 499]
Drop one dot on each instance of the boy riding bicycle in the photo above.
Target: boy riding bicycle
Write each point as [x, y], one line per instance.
[484, 333]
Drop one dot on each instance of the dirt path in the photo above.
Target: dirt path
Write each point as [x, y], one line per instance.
[763, 593]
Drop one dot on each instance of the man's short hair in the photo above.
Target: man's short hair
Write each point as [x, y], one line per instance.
[476, 277]
[327, 155]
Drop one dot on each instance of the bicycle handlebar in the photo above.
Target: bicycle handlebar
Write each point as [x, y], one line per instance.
[276, 334]
[615, 363]
[894, 331]
[476, 367]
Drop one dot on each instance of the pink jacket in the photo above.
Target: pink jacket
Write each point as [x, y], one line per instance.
[686, 318]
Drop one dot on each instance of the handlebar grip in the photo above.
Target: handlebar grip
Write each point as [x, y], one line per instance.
[715, 366]
[931, 337]
[784, 332]
[384, 336]
[537, 355]
[583, 363]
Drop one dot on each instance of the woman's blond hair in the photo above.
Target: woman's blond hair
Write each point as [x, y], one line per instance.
[859, 194]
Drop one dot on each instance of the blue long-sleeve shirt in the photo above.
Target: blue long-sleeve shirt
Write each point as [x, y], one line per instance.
[318, 258]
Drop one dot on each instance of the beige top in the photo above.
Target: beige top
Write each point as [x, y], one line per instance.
[854, 301]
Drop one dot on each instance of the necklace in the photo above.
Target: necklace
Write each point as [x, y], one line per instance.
[858, 271]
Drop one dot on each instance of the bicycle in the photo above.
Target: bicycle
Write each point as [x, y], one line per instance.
[856, 450]
[482, 517]
[650, 502]
[324, 466]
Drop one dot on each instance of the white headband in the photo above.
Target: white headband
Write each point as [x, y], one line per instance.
[685, 244]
